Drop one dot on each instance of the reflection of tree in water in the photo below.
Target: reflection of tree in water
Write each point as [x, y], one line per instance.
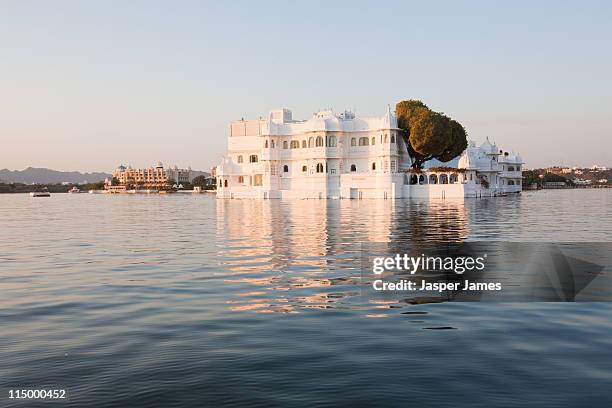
[419, 225]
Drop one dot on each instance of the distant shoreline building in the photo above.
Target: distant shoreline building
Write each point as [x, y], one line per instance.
[151, 178]
[335, 155]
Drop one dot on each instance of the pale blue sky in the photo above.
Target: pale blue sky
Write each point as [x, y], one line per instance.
[89, 85]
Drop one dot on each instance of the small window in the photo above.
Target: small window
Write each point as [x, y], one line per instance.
[239, 159]
[285, 145]
[373, 166]
[353, 168]
[386, 138]
[310, 142]
[373, 140]
[332, 141]
[272, 144]
[303, 144]
[392, 138]
[241, 179]
[295, 144]
[285, 169]
[392, 166]
[353, 142]
[319, 168]
[225, 183]
[364, 141]
[319, 141]
[304, 169]
[253, 158]
[266, 144]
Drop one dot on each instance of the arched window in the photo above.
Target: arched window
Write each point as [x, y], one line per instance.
[303, 144]
[225, 183]
[319, 168]
[266, 144]
[518, 168]
[304, 168]
[422, 179]
[332, 141]
[510, 182]
[239, 159]
[386, 138]
[364, 141]
[285, 169]
[272, 144]
[392, 138]
[295, 144]
[310, 142]
[253, 158]
[285, 145]
[353, 142]
[373, 140]
[443, 179]
[220, 183]
[319, 142]
[241, 179]
[433, 179]
[510, 168]
[454, 178]
[414, 179]
[374, 166]
[353, 167]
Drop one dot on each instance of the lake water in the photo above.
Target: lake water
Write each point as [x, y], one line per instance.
[188, 301]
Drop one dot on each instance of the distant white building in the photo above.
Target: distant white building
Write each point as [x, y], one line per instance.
[150, 178]
[335, 155]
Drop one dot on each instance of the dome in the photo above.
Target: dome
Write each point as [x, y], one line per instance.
[488, 148]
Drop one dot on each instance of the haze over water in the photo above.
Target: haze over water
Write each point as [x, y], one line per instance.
[191, 301]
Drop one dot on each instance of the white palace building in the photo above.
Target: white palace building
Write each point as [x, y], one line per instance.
[335, 155]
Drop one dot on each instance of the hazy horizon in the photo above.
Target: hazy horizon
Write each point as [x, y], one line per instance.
[88, 86]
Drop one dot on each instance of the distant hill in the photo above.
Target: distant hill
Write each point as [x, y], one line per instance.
[196, 173]
[48, 176]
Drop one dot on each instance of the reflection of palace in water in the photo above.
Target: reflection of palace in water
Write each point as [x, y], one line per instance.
[307, 253]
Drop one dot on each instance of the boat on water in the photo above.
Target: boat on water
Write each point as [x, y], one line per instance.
[41, 193]
[74, 190]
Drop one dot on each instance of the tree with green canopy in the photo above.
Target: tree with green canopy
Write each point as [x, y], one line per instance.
[429, 134]
[199, 181]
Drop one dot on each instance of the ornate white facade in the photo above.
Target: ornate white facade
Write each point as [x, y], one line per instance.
[341, 156]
